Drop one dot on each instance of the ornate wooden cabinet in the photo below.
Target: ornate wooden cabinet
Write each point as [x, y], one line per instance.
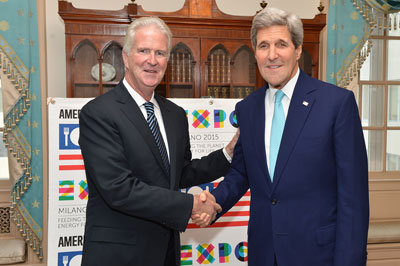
[211, 54]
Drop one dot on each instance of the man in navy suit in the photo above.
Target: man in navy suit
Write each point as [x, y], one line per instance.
[135, 164]
[314, 209]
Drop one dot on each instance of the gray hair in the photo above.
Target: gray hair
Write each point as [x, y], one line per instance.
[142, 22]
[273, 16]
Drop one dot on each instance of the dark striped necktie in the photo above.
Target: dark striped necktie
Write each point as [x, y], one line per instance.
[155, 130]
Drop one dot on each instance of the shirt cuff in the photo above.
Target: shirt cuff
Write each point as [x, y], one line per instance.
[228, 158]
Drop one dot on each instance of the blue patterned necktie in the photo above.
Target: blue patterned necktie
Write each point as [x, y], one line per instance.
[278, 123]
[155, 130]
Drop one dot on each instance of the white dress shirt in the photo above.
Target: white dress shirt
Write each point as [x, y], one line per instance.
[270, 104]
[140, 102]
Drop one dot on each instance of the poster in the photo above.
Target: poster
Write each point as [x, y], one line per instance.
[68, 193]
[211, 126]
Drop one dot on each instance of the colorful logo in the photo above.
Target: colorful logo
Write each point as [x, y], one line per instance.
[201, 119]
[83, 190]
[71, 258]
[205, 253]
[186, 255]
[219, 118]
[241, 251]
[66, 190]
[224, 251]
[233, 120]
[69, 136]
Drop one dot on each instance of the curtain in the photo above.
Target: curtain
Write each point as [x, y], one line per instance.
[384, 6]
[350, 23]
[20, 76]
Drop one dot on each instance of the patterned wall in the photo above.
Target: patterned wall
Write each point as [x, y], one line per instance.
[4, 220]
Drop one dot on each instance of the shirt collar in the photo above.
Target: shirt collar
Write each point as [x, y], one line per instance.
[288, 88]
[137, 97]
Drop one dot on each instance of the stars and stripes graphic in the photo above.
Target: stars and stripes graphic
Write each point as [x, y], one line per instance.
[238, 215]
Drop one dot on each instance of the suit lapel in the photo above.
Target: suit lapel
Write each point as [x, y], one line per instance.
[258, 124]
[132, 111]
[300, 106]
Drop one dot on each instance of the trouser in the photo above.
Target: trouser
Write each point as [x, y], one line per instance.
[170, 257]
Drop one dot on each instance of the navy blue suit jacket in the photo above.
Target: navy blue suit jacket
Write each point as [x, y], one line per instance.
[316, 211]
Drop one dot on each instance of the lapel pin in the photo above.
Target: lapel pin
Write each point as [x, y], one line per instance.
[305, 103]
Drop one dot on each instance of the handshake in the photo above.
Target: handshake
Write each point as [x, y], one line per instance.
[205, 209]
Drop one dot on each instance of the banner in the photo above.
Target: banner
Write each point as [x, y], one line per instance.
[212, 124]
[67, 183]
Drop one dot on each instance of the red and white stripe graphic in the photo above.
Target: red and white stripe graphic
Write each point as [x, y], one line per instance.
[70, 162]
[238, 215]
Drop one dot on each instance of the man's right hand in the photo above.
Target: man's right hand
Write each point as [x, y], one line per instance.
[231, 145]
[205, 209]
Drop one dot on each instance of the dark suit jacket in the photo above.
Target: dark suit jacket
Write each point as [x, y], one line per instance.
[133, 206]
[316, 211]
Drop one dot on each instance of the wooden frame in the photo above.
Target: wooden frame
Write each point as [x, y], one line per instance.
[198, 22]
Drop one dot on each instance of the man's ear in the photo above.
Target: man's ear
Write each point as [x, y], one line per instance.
[125, 58]
[299, 50]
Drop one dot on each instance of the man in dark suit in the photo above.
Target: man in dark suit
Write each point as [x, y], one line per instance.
[301, 152]
[136, 151]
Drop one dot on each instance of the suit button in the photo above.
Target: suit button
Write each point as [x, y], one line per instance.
[274, 201]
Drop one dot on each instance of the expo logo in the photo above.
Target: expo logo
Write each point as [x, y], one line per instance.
[69, 133]
[66, 190]
[206, 253]
[201, 118]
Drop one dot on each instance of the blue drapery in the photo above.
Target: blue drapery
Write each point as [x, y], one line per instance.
[385, 6]
[350, 23]
[20, 74]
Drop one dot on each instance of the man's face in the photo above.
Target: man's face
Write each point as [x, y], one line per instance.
[277, 58]
[147, 61]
